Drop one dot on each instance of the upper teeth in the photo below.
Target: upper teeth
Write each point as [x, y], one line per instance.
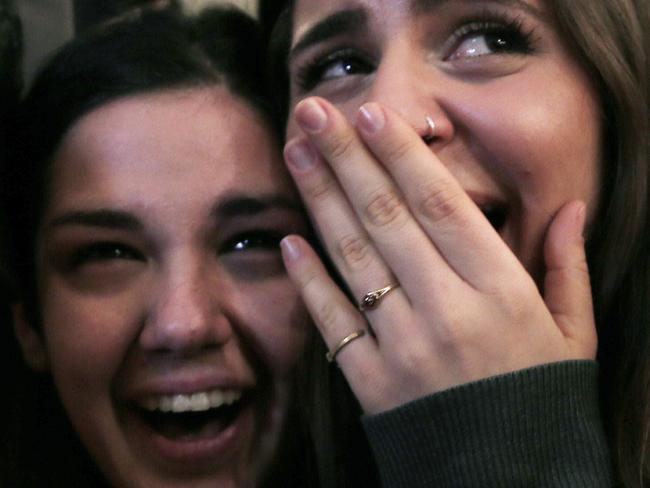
[195, 402]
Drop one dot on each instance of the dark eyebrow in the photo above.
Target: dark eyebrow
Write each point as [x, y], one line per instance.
[419, 7]
[351, 21]
[246, 206]
[238, 206]
[105, 218]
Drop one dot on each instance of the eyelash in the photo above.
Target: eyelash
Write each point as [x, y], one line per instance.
[107, 251]
[102, 252]
[309, 75]
[488, 22]
[522, 39]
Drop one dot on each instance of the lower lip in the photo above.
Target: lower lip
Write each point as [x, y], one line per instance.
[192, 454]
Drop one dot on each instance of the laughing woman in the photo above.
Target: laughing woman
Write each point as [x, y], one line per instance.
[148, 199]
[455, 157]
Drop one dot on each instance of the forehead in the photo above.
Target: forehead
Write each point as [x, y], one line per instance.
[177, 145]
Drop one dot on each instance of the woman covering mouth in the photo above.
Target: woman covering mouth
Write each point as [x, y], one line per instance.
[473, 168]
[149, 200]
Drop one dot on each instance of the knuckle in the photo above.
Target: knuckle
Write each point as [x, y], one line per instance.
[385, 207]
[365, 375]
[307, 280]
[413, 358]
[581, 267]
[515, 300]
[326, 315]
[439, 202]
[355, 252]
[341, 147]
[450, 335]
[399, 151]
[454, 329]
[319, 189]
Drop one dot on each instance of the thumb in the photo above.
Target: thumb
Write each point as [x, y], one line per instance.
[567, 290]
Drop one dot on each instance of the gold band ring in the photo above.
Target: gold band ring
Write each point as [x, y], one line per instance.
[371, 299]
[331, 355]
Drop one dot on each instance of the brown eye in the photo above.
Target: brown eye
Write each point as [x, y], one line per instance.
[103, 252]
[489, 37]
[337, 65]
[251, 241]
[253, 256]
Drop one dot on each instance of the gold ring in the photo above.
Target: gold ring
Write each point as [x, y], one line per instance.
[331, 355]
[371, 299]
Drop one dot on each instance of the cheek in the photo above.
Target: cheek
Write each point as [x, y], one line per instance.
[277, 321]
[544, 141]
[87, 340]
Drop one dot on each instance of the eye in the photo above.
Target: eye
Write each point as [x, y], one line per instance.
[489, 37]
[337, 65]
[259, 240]
[253, 255]
[103, 253]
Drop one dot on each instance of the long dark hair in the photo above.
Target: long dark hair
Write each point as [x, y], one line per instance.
[144, 51]
[611, 38]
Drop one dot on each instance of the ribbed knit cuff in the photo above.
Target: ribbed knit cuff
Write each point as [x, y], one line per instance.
[539, 427]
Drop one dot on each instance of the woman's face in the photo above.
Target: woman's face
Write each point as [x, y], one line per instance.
[169, 323]
[517, 119]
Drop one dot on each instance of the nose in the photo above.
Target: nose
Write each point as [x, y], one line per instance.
[185, 314]
[410, 86]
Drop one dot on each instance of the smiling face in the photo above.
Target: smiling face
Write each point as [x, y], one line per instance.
[517, 120]
[169, 324]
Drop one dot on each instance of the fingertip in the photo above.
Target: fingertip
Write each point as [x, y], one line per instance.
[311, 116]
[565, 234]
[371, 118]
[291, 248]
[579, 210]
[300, 155]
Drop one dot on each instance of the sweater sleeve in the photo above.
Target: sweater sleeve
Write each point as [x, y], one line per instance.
[538, 427]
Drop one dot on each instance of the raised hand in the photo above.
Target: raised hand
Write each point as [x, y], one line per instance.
[390, 213]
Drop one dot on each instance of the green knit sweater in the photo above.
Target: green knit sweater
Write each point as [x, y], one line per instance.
[538, 427]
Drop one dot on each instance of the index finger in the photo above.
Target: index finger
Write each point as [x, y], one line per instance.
[451, 219]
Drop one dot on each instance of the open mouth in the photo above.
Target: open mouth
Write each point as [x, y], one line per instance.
[496, 214]
[195, 416]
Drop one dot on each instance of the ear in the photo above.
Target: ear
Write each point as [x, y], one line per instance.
[30, 340]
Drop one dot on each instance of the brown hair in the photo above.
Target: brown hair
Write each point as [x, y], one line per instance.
[611, 39]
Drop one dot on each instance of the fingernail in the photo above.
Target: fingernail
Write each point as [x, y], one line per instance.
[311, 116]
[290, 248]
[371, 118]
[300, 155]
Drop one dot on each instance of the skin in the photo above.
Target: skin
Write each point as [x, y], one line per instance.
[516, 127]
[189, 295]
